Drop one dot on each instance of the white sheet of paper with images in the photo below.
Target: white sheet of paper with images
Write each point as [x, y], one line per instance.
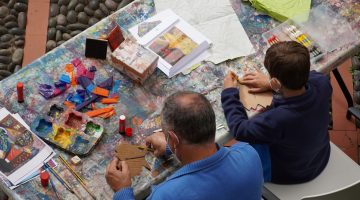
[186, 44]
[22, 152]
[217, 20]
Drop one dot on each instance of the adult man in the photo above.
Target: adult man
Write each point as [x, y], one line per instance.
[209, 171]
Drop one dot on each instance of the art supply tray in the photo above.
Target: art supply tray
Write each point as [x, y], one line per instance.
[70, 130]
[321, 30]
[291, 31]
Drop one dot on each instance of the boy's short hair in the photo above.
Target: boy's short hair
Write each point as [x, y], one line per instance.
[289, 62]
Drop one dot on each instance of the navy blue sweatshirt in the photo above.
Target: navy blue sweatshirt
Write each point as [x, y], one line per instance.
[295, 128]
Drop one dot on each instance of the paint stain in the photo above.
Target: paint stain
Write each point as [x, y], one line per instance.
[55, 110]
[74, 121]
[80, 145]
[92, 128]
[137, 121]
[63, 137]
[44, 127]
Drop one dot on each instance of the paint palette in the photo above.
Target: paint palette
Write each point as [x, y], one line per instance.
[69, 130]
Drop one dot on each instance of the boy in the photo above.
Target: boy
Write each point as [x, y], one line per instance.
[292, 136]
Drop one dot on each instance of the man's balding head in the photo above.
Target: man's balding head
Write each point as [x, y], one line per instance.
[190, 116]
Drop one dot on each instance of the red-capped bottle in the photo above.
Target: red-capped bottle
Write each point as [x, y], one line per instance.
[20, 91]
[122, 124]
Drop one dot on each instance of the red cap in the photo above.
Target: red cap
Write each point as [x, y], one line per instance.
[44, 177]
[128, 132]
[20, 85]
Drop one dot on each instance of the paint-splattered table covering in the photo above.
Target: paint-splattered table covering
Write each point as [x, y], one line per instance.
[141, 104]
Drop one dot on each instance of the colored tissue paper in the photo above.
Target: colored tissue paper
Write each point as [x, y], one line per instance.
[69, 68]
[60, 90]
[90, 75]
[101, 91]
[90, 88]
[46, 90]
[116, 87]
[82, 93]
[282, 10]
[109, 100]
[84, 81]
[65, 78]
[59, 84]
[77, 99]
[99, 111]
[108, 83]
[92, 69]
[76, 62]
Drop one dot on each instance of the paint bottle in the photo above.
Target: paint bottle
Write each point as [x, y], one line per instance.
[128, 132]
[122, 124]
[44, 178]
[20, 91]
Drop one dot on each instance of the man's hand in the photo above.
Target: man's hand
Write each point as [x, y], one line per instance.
[256, 81]
[158, 142]
[230, 80]
[118, 175]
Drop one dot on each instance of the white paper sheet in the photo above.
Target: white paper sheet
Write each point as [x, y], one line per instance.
[168, 19]
[32, 165]
[217, 20]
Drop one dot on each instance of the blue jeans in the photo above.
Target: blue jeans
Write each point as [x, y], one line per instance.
[264, 154]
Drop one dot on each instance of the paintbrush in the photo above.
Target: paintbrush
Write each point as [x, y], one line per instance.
[77, 176]
[62, 180]
[54, 188]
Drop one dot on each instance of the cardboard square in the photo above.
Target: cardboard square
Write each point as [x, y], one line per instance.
[134, 157]
[115, 38]
[251, 101]
[96, 48]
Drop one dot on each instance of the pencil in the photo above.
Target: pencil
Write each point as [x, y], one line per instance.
[77, 176]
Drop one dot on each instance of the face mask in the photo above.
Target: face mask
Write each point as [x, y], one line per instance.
[275, 84]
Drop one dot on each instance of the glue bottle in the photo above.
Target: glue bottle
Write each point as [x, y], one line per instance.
[20, 91]
[122, 124]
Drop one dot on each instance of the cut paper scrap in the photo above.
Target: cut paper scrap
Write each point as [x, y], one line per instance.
[283, 9]
[107, 114]
[134, 157]
[99, 111]
[115, 38]
[218, 21]
[109, 100]
[101, 91]
[145, 27]
[252, 101]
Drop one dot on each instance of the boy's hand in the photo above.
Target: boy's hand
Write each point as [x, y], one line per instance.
[118, 175]
[158, 142]
[230, 80]
[257, 81]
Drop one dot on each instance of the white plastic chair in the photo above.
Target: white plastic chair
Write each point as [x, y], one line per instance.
[340, 180]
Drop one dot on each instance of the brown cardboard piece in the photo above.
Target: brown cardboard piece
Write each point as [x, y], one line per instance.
[134, 157]
[251, 101]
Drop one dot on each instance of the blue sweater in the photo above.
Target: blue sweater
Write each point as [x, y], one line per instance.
[295, 128]
[230, 173]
